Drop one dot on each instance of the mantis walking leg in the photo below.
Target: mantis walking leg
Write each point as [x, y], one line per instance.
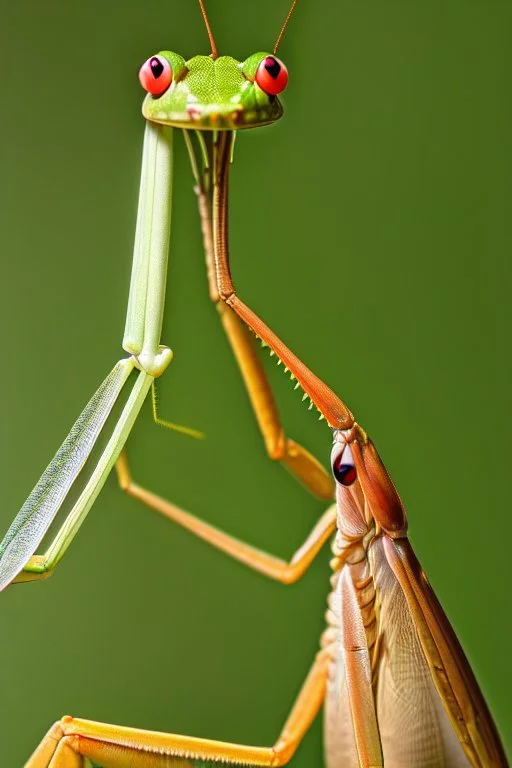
[273, 567]
[294, 456]
[330, 406]
[70, 742]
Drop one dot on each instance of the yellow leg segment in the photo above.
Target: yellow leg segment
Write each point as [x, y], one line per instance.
[306, 468]
[72, 742]
[273, 567]
[302, 464]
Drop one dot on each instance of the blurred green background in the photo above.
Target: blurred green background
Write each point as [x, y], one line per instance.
[370, 229]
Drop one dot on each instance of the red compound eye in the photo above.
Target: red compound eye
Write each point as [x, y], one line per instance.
[343, 467]
[272, 76]
[155, 75]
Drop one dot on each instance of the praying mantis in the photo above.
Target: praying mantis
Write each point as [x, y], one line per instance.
[318, 393]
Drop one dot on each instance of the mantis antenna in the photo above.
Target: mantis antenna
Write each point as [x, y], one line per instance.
[209, 29]
[212, 39]
[283, 28]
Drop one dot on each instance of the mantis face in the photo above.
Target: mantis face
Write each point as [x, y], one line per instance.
[361, 476]
[209, 93]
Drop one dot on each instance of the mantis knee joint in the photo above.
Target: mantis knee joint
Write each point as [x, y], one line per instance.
[283, 752]
[276, 446]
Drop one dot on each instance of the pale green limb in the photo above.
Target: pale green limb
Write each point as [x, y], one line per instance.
[136, 310]
[39, 510]
[142, 340]
[151, 252]
[44, 502]
[43, 565]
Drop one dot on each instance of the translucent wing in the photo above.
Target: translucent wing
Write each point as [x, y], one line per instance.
[41, 507]
[420, 655]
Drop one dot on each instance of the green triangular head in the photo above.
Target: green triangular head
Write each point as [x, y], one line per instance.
[209, 93]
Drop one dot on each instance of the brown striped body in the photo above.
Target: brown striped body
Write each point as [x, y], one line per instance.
[400, 692]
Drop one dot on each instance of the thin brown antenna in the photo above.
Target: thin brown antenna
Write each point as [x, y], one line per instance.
[209, 29]
[280, 35]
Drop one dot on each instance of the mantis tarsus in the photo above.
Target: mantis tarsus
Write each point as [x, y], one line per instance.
[333, 411]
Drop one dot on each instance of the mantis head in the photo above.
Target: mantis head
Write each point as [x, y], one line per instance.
[212, 92]
[361, 476]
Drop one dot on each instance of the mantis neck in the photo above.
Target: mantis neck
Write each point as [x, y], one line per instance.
[222, 149]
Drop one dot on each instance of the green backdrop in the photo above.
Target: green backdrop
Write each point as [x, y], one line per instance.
[369, 228]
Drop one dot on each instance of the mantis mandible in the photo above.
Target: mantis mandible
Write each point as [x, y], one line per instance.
[364, 495]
